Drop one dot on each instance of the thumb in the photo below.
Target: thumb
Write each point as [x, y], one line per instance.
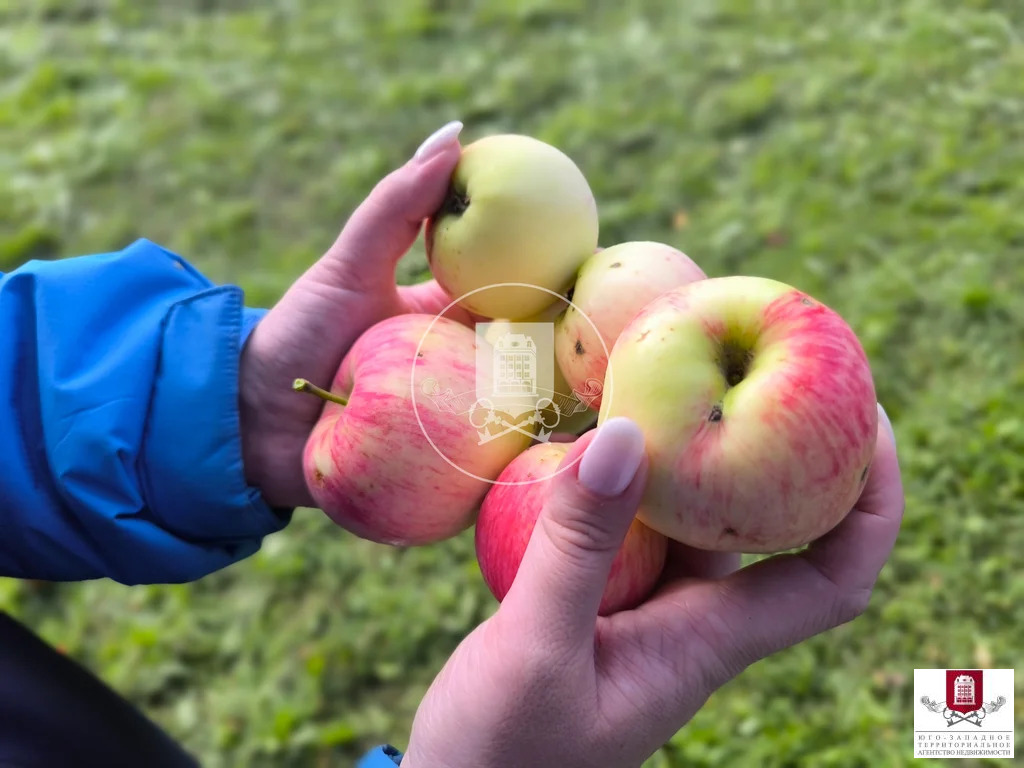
[580, 530]
[385, 225]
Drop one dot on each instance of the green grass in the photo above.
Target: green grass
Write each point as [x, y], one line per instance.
[869, 152]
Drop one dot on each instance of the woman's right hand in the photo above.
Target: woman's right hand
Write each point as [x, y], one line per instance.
[546, 682]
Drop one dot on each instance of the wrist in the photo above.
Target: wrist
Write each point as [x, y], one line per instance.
[271, 451]
[254, 444]
[414, 759]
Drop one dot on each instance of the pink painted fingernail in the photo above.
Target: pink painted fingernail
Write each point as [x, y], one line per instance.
[438, 140]
[611, 461]
[883, 418]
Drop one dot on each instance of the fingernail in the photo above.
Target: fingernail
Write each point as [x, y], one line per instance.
[610, 462]
[883, 417]
[438, 140]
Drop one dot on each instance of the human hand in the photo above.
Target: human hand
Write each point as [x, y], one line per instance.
[547, 682]
[350, 288]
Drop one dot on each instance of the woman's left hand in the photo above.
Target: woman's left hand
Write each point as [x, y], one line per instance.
[350, 288]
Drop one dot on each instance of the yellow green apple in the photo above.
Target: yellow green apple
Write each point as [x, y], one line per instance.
[611, 287]
[518, 210]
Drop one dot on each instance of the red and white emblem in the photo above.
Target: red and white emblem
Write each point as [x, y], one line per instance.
[964, 690]
[964, 702]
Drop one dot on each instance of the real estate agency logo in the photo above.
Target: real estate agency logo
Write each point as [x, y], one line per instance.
[952, 717]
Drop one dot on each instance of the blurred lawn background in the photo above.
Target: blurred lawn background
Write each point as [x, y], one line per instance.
[870, 152]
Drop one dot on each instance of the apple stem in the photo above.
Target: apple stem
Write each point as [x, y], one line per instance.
[302, 385]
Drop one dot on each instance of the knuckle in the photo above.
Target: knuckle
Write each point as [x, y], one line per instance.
[581, 524]
[851, 604]
[575, 539]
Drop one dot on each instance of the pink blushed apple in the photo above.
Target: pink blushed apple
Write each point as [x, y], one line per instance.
[611, 287]
[759, 412]
[369, 464]
[509, 514]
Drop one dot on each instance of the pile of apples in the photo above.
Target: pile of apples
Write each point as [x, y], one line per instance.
[756, 400]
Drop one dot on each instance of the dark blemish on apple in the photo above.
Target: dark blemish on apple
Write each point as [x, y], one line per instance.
[570, 294]
[716, 412]
[419, 354]
[644, 335]
[318, 477]
[614, 265]
[729, 531]
[806, 302]
[579, 347]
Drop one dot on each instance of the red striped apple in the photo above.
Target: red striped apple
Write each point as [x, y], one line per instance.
[759, 412]
[509, 514]
[518, 210]
[611, 287]
[368, 462]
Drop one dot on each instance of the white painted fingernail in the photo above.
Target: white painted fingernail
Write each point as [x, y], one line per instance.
[883, 417]
[438, 140]
[611, 461]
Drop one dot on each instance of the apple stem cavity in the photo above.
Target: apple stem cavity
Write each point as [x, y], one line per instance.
[455, 203]
[734, 363]
[302, 385]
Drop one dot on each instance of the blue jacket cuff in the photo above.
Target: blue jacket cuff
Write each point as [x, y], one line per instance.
[384, 756]
[120, 452]
[192, 453]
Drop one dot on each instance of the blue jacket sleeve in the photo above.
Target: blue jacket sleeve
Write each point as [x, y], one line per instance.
[120, 452]
[381, 757]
